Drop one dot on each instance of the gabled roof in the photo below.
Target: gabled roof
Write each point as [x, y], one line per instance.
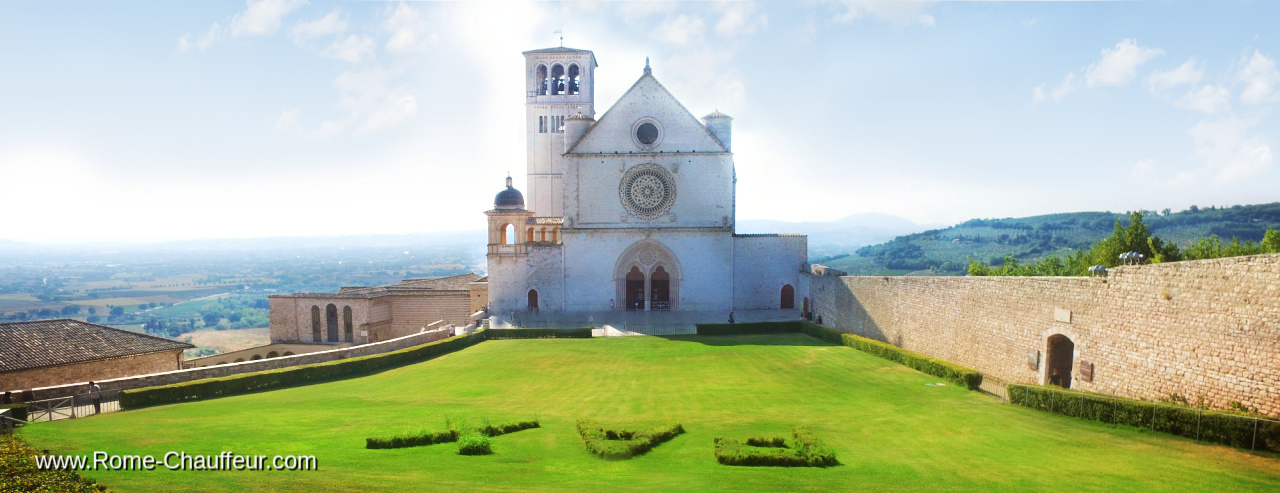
[646, 93]
[46, 343]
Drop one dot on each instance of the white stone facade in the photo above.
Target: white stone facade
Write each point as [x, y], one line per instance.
[641, 206]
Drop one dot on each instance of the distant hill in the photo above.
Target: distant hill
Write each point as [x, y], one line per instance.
[947, 251]
[839, 236]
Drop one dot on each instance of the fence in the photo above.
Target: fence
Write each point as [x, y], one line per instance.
[1237, 430]
[71, 407]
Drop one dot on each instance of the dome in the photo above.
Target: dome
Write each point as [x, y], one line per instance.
[509, 198]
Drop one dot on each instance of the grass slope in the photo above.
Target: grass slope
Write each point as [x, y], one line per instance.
[1026, 238]
[890, 431]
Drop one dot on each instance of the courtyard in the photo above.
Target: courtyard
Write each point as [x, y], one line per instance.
[891, 428]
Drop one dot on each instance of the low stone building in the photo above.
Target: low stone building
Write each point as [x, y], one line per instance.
[46, 353]
[360, 315]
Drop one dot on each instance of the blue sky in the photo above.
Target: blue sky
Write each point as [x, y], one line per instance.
[149, 121]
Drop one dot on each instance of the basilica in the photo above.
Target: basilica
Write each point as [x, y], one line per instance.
[631, 211]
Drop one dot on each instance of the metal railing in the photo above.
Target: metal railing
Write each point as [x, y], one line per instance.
[76, 406]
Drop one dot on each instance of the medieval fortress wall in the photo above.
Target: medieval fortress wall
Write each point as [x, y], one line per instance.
[1200, 329]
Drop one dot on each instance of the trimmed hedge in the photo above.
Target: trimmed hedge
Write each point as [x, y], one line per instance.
[19, 411]
[289, 377]
[750, 328]
[805, 451]
[474, 444]
[623, 444]
[451, 434]
[959, 375]
[1236, 430]
[581, 333]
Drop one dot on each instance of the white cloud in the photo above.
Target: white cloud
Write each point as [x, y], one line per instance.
[682, 30]
[1230, 150]
[1068, 84]
[1261, 78]
[899, 13]
[1029, 22]
[406, 27]
[288, 120]
[333, 23]
[353, 49]
[1186, 74]
[1143, 170]
[738, 18]
[374, 101]
[262, 17]
[1119, 65]
[1209, 99]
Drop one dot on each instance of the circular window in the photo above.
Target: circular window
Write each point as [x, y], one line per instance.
[647, 191]
[647, 133]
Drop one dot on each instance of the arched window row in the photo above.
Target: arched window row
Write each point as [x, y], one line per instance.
[556, 80]
[330, 325]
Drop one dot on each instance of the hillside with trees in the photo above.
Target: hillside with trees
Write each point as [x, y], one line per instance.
[1195, 232]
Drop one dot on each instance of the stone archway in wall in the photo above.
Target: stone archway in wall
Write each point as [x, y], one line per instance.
[647, 276]
[1061, 349]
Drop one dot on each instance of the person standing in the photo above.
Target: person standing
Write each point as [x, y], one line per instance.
[1054, 378]
[610, 304]
[730, 317]
[95, 393]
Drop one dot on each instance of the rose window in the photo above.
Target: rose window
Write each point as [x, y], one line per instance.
[647, 191]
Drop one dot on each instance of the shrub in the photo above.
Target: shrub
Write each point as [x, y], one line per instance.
[293, 376]
[450, 434]
[747, 328]
[474, 443]
[582, 333]
[18, 411]
[623, 444]
[805, 451]
[1227, 428]
[18, 472]
[959, 375]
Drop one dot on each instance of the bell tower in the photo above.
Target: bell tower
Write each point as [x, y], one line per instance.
[559, 82]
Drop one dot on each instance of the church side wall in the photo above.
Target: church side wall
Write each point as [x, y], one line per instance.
[1201, 329]
[762, 265]
[511, 278]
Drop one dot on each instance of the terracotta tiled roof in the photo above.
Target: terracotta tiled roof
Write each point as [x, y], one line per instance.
[45, 343]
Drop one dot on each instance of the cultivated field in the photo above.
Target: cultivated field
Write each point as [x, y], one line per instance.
[230, 339]
[891, 431]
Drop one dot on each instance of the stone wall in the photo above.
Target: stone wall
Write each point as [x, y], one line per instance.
[1207, 329]
[93, 370]
[762, 266]
[178, 376]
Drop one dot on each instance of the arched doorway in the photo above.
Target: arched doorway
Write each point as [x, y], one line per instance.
[635, 289]
[347, 332]
[1060, 352]
[315, 323]
[788, 297]
[804, 308]
[660, 287]
[331, 323]
[533, 300]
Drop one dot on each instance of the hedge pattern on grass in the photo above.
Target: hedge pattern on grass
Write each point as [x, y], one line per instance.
[621, 444]
[751, 328]
[805, 450]
[582, 333]
[1237, 430]
[293, 376]
[451, 433]
[474, 443]
[18, 472]
[959, 375]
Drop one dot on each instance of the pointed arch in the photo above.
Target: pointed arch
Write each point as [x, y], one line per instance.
[645, 257]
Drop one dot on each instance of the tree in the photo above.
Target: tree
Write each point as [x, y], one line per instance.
[117, 311]
[1271, 241]
[93, 319]
[70, 310]
[93, 310]
[142, 306]
[211, 319]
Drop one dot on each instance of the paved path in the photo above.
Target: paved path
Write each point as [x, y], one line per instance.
[675, 322]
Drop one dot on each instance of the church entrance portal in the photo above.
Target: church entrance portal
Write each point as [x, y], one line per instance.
[1061, 351]
[661, 282]
[635, 289]
[533, 300]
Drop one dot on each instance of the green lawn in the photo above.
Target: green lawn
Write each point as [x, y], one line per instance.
[890, 430]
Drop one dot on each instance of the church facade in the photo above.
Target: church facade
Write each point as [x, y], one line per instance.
[633, 211]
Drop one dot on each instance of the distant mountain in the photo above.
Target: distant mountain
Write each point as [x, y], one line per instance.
[948, 250]
[842, 234]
